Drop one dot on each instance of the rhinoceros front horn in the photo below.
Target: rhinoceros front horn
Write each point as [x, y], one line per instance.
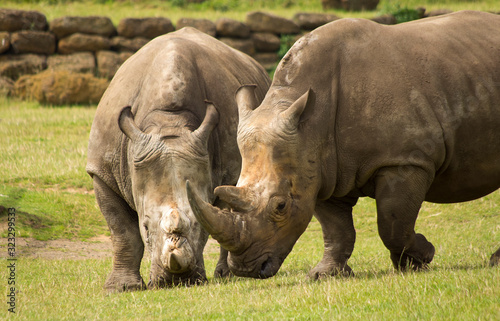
[227, 228]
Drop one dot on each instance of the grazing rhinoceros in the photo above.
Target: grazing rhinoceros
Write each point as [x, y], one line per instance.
[141, 156]
[401, 114]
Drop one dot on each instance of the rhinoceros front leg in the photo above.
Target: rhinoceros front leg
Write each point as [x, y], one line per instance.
[128, 247]
[339, 235]
[399, 193]
[222, 269]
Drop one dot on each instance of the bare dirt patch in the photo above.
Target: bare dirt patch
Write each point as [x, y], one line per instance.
[95, 248]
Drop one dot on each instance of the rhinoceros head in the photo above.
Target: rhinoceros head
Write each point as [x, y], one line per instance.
[161, 160]
[274, 199]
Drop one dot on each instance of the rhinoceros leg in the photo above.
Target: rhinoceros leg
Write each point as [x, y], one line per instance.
[339, 235]
[399, 193]
[222, 269]
[128, 247]
[495, 258]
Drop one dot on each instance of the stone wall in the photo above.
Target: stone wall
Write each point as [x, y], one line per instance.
[29, 44]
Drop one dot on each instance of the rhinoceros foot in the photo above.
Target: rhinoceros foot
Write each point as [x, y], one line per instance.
[417, 257]
[121, 282]
[329, 269]
[222, 270]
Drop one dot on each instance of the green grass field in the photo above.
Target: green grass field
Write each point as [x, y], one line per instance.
[42, 174]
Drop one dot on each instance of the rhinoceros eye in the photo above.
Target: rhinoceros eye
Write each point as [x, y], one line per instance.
[145, 157]
[146, 228]
[278, 205]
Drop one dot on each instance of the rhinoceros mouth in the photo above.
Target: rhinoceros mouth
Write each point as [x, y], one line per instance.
[263, 267]
[270, 267]
[177, 255]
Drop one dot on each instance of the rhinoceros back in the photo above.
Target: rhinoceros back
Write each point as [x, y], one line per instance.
[174, 72]
[423, 93]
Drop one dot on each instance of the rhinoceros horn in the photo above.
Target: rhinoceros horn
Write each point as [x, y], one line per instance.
[209, 122]
[246, 100]
[127, 125]
[226, 227]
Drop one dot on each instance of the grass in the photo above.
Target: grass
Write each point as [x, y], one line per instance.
[458, 286]
[42, 170]
[42, 161]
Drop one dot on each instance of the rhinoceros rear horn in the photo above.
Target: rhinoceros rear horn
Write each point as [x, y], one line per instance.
[127, 125]
[246, 100]
[209, 122]
[221, 224]
[234, 196]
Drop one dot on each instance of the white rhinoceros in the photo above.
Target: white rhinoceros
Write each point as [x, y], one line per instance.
[181, 124]
[401, 114]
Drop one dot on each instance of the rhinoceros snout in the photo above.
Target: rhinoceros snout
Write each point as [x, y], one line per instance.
[177, 255]
[269, 268]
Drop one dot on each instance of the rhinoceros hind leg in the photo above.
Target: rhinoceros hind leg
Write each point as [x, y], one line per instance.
[128, 247]
[339, 235]
[400, 192]
[222, 269]
[495, 258]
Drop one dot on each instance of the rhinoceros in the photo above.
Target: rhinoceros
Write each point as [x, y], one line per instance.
[401, 114]
[180, 123]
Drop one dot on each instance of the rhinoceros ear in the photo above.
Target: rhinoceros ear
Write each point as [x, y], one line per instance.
[127, 125]
[209, 122]
[246, 100]
[291, 116]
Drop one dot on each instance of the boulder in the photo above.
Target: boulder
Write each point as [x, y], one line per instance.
[61, 88]
[350, 5]
[14, 66]
[226, 27]
[83, 62]
[82, 42]
[266, 42]
[243, 45]
[122, 44]
[310, 21]
[203, 25]
[6, 86]
[265, 22]
[38, 42]
[4, 41]
[92, 25]
[438, 12]
[108, 62]
[386, 19]
[144, 27]
[14, 20]
[268, 60]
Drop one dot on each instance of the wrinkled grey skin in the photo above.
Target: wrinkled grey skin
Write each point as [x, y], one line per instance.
[401, 114]
[181, 126]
